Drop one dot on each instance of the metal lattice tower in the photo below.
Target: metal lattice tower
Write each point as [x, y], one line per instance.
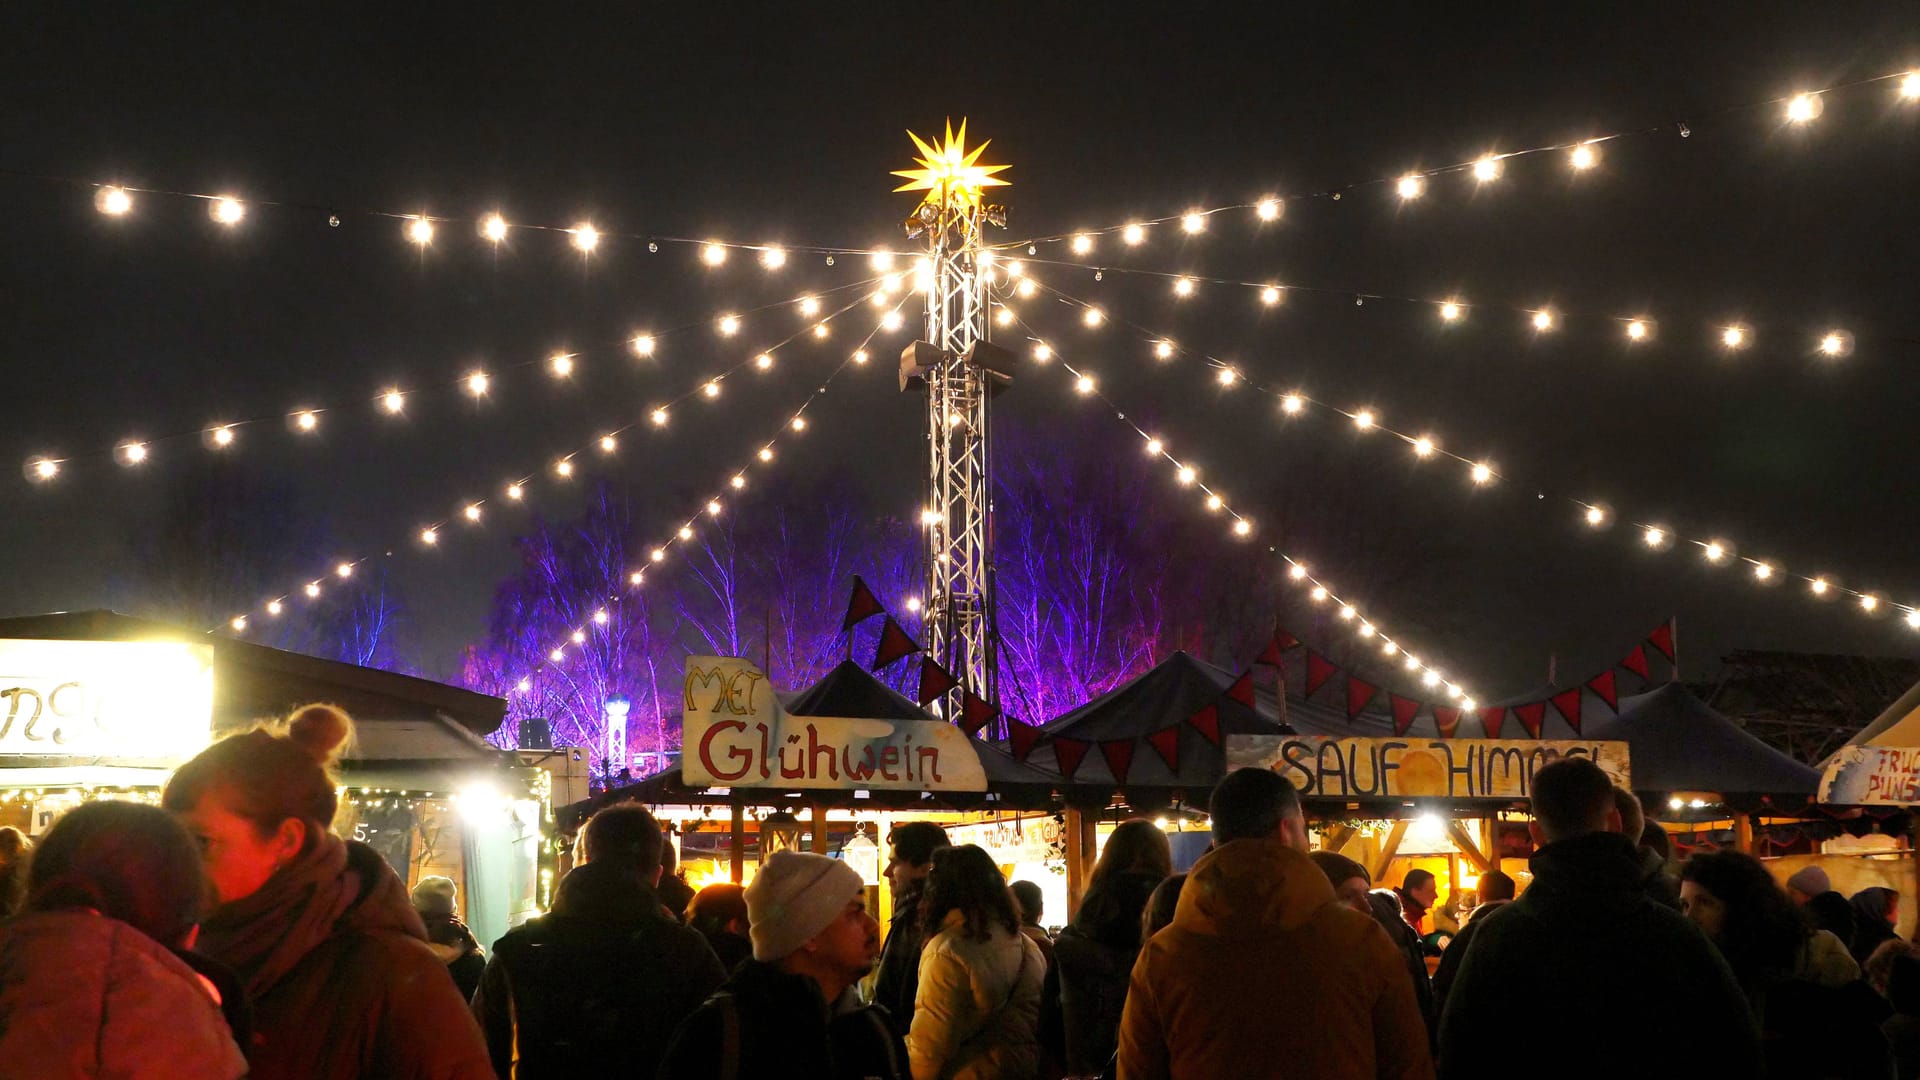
[957, 520]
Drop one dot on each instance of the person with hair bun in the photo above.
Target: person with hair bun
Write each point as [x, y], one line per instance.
[94, 977]
[319, 929]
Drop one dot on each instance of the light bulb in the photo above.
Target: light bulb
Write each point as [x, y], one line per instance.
[1637, 330]
[344, 570]
[516, 492]
[1819, 586]
[1134, 234]
[275, 607]
[222, 436]
[1363, 419]
[1543, 319]
[1804, 107]
[44, 468]
[1084, 384]
[712, 389]
[1430, 677]
[799, 423]
[1482, 472]
[892, 320]
[1413, 662]
[472, 512]
[764, 361]
[1450, 311]
[729, 325]
[1389, 648]
[429, 537]
[1487, 168]
[1268, 209]
[1005, 316]
[1227, 376]
[1762, 571]
[1347, 611]
[773, 258]
[860, 356]
[477, 383]
[1910, 86]
[1292, 404]
[809, 306]
[1714, 551]
[913, 603]
[563, 467]
[1270, 295]
[1154, 447]
[1242, 527]
[420, 230]
[600, 617]
[659, 417]
[1194, 222]
[239, 623]
[1214, 502]
[713, 507]
[1423, 446]
[557, 655]
[1093, 316]
[1042, 353]
[306, 420]
[1913, 617]
[493, 227]
[1596, 516]
[643, 345]
[1366, 629]
[929, 516]
[1836, 343]
[737, 482]
[524, 685]
[608, 444]
[1186, 474]
[1655, 537]
[585, 237]
[1163, 350]
[113, 201]
[133, 453]
[1869, 602]
[1183, 286]
[685, 533]
[393, 401]
[1082, 244]
[636, 578]
[656, 554]
[1583, 157]
[227, 210]
[1026, 288]
[882, 260]
[313, 590]
[562, 365]
[1319, 593]
[1411, 186]
[1297, 571]
[1733, 337]
[1016, 268]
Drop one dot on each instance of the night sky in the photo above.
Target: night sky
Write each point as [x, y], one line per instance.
[780, 125]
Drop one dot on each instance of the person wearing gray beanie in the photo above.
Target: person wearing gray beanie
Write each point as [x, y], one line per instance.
[792, 1009]
[1807, 883]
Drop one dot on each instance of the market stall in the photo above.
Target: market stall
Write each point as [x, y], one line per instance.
[103, 705]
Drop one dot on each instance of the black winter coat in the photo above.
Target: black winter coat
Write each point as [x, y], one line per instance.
[1583, 939]
[781, 1026]
[1092, 966]
[899, 978]
[604, 979]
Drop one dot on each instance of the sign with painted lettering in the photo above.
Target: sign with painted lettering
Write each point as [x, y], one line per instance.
[1872, 776]
[122, 700]
[1410, 768]
[736, 735]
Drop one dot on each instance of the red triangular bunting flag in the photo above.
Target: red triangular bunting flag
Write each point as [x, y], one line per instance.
[1492, 719]
[1167, 741]
[1403, 712]
[1358, 694]
[863, 605]
[1285, 640]
[1447, 719]
[1602, 685]
[1531, 715]
[1242, 689]
[1636, 662]
[1567, 702]
[1119, 755]
[1068, 753]
[1319, 670]
[1020, 738]
[934, 680]
[975, 712]
[1662, 639]
[1270, 655]
[1207, 723]
[894, 644]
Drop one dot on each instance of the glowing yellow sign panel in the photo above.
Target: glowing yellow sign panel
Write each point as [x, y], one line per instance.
[146, 701]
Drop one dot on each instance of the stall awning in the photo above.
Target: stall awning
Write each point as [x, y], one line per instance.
[1679, 743]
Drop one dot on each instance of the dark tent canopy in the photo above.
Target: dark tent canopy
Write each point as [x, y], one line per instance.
[1167, 694]
[1676, 742]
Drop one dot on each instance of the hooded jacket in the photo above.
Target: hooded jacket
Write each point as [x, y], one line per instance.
[1870, 921]
[1093, 959]
[343, 986]
[782, 1026]
[606, 977]
[1263, 974]
[1584, 938]
[977, 1013]
[83, 996]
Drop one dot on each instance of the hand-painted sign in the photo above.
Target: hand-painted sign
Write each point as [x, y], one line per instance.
[736, 735]
[1416, 767]
[1872, 775]
[124, 700]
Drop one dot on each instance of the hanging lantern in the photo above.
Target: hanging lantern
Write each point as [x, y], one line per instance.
[862, 853]
[779, 831]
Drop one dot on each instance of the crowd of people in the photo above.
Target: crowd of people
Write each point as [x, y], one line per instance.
[229, 932]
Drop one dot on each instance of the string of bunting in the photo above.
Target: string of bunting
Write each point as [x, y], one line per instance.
[934, 680]
[1581, 156]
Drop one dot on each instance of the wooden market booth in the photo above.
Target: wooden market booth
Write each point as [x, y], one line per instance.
[1878, 770]
[105, 705]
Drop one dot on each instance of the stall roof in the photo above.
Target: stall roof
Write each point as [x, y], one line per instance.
[1676, 742]
[1166, 694]
[253, 682]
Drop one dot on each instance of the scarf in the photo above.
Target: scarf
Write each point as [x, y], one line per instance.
[264, 936]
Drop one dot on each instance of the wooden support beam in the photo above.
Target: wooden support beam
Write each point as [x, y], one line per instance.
[1743, 833]
[1081, 845]
[1388, 849]
[1336, 837]
[1464, 841]
[739, 840]
[819, 828]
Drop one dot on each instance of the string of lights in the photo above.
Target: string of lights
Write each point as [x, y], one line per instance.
[474, 512]
[1581, 155]
[1729, 336]
[1654, 535]
[792, 427]
[393, 401]
[1187, 474]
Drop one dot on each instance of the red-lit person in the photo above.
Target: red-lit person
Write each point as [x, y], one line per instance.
[320, 930]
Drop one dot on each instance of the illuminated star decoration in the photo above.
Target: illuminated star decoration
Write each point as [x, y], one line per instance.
[950, 175]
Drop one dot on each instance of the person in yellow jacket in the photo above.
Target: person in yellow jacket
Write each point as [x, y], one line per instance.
[977, 1011]
[1263, 973]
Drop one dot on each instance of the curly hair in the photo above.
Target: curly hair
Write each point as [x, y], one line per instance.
[965, 879]
[1763, 931]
